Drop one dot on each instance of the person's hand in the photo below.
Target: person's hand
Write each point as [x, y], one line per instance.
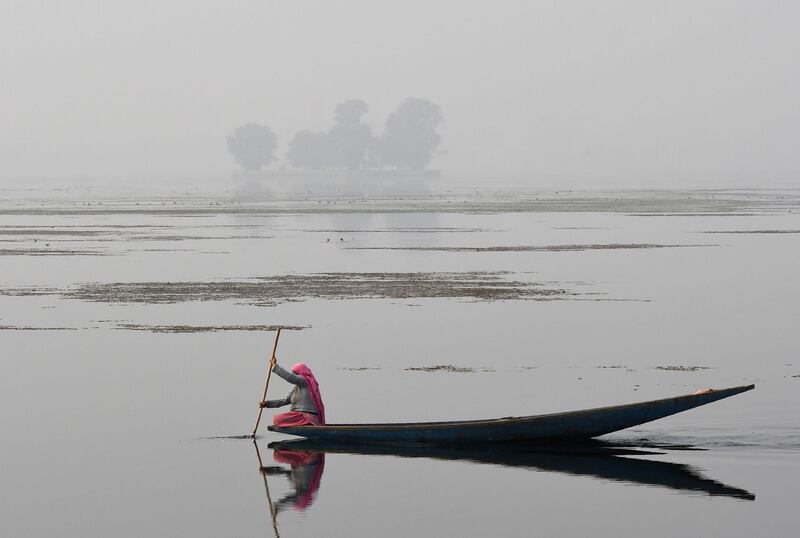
[262, 404]
[273, 361]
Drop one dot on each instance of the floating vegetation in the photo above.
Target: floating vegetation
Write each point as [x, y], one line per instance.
[30, 328]
[442, 368]
[274, 290]
[135, 233]
[643, 202]
[205, 328]
[753, 232]
[237, 436]
[50, 231]
[527, 248]
[428, 230]
[357, 368]
[193, 237]
[682, 368]
[580, 228]
[49, 252]
[170, 237]
[33, 291]
[167, 250]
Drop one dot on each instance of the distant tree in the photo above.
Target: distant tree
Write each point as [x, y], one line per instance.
[351, 138]
[253, 146]
[310, 150]
[410, 138]
[348, 144]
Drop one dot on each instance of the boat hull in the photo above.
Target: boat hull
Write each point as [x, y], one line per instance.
[574, 425]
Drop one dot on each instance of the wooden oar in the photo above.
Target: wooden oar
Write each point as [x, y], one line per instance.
[266, 383]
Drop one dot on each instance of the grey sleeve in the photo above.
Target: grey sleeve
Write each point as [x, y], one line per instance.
[291, 377]
[281, 401]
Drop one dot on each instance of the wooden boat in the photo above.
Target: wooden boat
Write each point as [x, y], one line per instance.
[574, 425]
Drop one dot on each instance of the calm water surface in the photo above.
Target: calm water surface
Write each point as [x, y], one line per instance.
[109, 431]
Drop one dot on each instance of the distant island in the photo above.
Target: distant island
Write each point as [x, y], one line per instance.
[405, 148]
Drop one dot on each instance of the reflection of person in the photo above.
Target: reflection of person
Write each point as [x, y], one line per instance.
[305, 475]
[305, 398]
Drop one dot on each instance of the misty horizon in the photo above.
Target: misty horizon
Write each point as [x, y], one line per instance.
[627, 93]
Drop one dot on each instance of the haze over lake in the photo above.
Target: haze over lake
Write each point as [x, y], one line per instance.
[451, 211]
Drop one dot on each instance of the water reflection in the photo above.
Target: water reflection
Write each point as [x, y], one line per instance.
[304, 473]
[597, 460]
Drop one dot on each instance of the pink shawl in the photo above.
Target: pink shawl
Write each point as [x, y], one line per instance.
[303, 370]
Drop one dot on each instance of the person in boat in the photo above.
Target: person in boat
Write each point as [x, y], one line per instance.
[304, 399]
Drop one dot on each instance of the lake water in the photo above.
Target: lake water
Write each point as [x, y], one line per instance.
[133, 330]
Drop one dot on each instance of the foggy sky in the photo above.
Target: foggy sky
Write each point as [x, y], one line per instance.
[629, 92]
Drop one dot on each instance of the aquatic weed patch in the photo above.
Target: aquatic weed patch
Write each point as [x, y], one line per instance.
[50, 252]
[531, 248]
[441, 368]
[32, 328]
[682, 368]
[636, 202]
[752, 232]
[191, 329]
[279, 289]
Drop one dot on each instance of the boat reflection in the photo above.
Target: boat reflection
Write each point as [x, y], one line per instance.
[596, 459]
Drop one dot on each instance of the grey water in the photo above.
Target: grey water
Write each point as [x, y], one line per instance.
[115, 405]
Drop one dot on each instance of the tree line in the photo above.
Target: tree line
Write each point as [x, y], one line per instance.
[408, 142]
